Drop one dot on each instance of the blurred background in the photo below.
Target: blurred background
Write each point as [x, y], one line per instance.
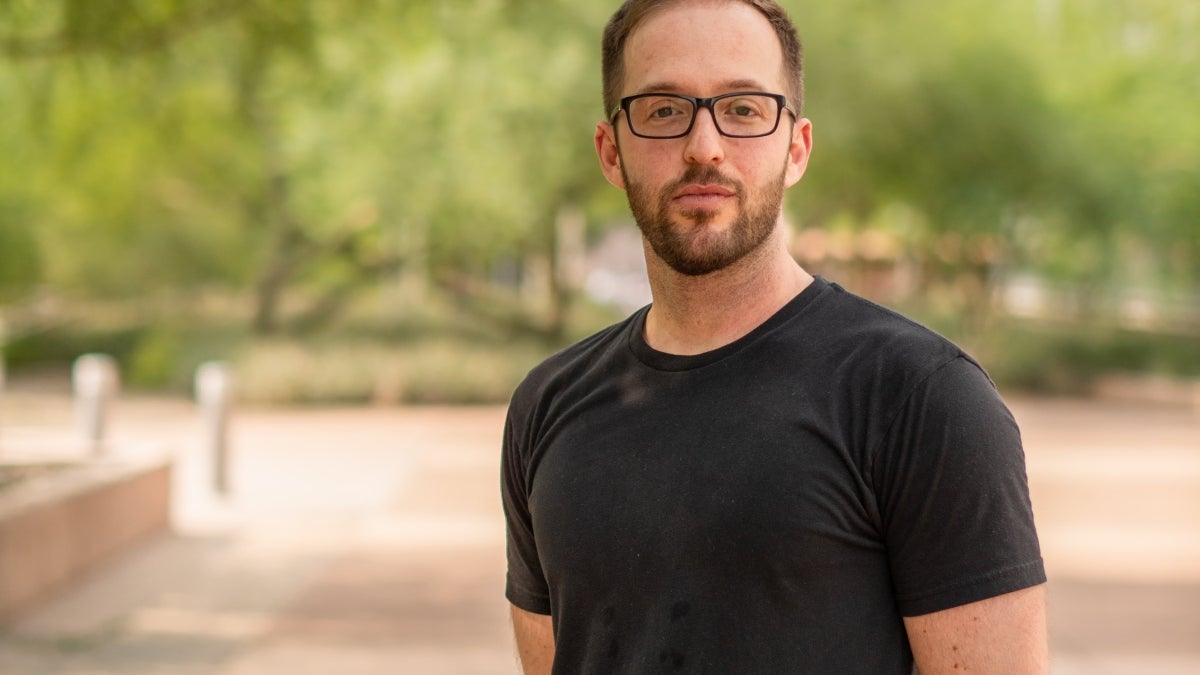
[403, 197]
[394, 203]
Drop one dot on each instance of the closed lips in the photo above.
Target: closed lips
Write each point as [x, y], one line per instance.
[705, 191]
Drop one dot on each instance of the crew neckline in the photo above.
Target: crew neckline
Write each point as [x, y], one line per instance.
[659, 360]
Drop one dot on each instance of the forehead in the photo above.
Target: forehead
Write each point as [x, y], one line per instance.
[703, 49]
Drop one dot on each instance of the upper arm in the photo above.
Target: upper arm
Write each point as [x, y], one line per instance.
[525, 582]
[953, 496]
[1003, 634]
[535, 641]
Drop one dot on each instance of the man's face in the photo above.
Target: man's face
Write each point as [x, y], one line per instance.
[704, 201]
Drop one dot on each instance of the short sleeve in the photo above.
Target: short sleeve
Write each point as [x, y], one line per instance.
[953, 494]
[525, 584]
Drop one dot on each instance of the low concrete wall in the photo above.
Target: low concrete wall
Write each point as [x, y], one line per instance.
[54, 528]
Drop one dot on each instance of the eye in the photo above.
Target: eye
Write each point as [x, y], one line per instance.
[662, 109]
[744, 108]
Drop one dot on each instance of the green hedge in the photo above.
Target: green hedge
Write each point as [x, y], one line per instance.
[462, 360]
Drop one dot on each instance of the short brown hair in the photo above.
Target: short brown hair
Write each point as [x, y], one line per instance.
[633, 12]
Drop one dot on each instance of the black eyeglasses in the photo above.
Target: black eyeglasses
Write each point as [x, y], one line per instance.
[742, 114]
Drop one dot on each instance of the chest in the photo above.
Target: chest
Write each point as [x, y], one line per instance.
[645, 479]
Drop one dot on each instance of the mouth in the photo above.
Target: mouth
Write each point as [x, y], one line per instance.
[703, 196]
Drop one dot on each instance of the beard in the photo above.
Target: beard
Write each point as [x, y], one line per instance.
[695, 250]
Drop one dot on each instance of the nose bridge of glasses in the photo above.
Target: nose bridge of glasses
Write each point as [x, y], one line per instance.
[699, 104]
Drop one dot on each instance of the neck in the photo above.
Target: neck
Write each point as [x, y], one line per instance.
[693, 315]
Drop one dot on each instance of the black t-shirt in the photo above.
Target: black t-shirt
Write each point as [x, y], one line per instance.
[772, 506]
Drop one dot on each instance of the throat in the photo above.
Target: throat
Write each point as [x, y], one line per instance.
[698, 315]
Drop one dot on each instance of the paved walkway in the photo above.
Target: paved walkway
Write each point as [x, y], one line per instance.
[371, 541]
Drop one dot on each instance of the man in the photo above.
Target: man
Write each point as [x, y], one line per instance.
[759, 473]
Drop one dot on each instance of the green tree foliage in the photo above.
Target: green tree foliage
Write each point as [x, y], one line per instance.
[1065, 130]
[312, 147]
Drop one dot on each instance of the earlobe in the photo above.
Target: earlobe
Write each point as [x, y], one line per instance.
[609, 154]
[798, 151]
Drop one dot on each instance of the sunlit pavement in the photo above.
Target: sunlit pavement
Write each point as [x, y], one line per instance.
[371, 541]
[1116, 493]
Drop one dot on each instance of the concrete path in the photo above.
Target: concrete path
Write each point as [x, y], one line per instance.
[371, 541]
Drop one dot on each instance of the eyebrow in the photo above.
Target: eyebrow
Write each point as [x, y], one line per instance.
[665, 87]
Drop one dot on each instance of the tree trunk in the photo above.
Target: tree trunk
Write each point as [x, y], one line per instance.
[275, 209]
[567, 260]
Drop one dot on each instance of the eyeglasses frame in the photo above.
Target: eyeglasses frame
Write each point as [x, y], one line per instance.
[697, 104]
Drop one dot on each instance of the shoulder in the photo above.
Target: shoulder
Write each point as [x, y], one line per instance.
[572, 367]
[867, 341]
[865, 365]
[860, 318]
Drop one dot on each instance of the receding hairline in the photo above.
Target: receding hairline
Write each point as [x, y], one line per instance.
[791, 67]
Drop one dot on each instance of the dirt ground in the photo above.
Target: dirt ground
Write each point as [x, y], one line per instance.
[371, 541]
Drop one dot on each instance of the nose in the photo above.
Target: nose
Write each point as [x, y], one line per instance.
[704, 143]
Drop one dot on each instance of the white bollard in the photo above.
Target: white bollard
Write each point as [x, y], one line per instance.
[214, 394]
[95, 380]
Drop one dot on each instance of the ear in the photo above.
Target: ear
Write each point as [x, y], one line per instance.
[609, 153]
[798, 151]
